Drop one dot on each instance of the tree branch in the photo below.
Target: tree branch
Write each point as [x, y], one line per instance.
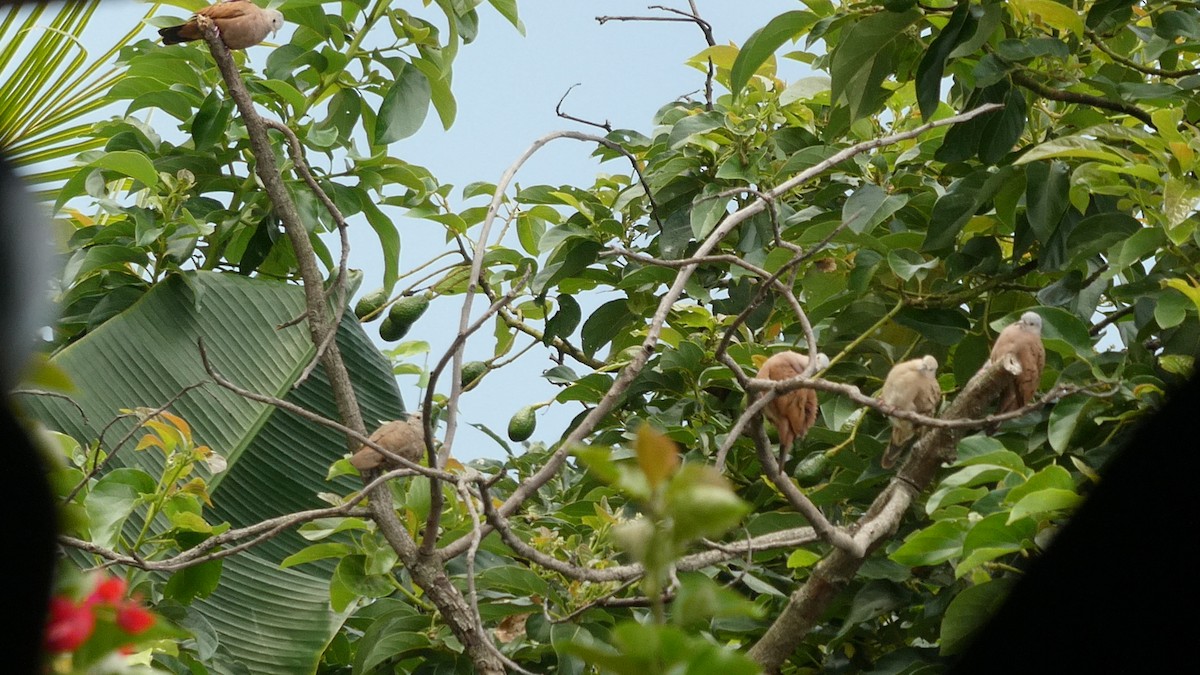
[834, 571]
[1044, 91]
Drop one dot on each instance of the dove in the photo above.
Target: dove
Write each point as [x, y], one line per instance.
[241, 23]
[1021, 343]
[405, 438]
[793, 413]
[912, 386]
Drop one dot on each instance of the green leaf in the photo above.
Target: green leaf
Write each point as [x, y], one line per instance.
[968, 611]
[404, 107]
[1064, 418]
[907, 263]
[1072, 146]
[935, 544]
[930, 70]
[707, 211]
[128, 163]
[991, 538]
[869, 206]
[111, 501]
[604, 324]
[1053, 14]
[802, 557]
[943, 326]
[689, 127]
[865, 56]
[391, 635]
[1097, 233]
[1042, 502]
[701, 599]
[197, 581]
[520, 582]
[1047, 197]
[1002, 130]
[270, 621]
[317, 552]
[564, 321]
[211, 120]
[508, 10]
[1053, 476]
[874, 599]
[953, 209]
[762, 45]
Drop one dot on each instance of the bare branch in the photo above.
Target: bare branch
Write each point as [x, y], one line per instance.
[204, 552]
[558, 111]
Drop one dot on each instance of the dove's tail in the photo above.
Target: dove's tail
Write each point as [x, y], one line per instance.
[173, 35]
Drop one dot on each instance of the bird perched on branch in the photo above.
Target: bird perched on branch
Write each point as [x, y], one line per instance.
[1019, 350]
[405, 438]
[912, 386]
[793, 413]
[241, 24]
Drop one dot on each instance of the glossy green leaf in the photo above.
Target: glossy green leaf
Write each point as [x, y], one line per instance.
[930, 70]
[1042, 502]
[865, 56]
[935, 544]
[404, 107]
[870, 206]
[761, 45]
[968, 611]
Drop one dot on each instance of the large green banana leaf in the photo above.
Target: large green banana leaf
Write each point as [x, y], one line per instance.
[273, 620]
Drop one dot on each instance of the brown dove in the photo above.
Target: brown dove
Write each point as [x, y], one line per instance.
[405, 438]
[794, 412]
[912, 386]
[241, 23]
[1022, 341]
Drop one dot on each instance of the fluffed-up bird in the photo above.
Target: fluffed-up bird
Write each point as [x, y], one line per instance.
[1020, 343]
[241, 23]
[405, 438]
[794, 412]
[911, 386]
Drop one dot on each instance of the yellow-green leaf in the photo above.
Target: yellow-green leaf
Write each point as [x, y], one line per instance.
[657, 455]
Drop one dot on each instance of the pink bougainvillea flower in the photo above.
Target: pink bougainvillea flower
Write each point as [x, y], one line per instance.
[134, 619]
[70, 625]
[110, 591]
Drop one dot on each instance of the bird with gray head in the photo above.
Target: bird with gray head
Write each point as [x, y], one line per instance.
[911, 386]
[1020, 351]
[241, 24]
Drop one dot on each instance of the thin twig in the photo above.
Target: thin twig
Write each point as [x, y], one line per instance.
[1053, 94]
[199, 554]
[558, 111]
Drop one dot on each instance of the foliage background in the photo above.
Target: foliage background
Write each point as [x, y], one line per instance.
[1076, 198]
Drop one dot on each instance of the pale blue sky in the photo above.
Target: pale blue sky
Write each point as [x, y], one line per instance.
[506, 87]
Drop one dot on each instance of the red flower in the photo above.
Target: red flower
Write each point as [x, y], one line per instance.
[110, 591]
[134, 619]
[70, 625]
